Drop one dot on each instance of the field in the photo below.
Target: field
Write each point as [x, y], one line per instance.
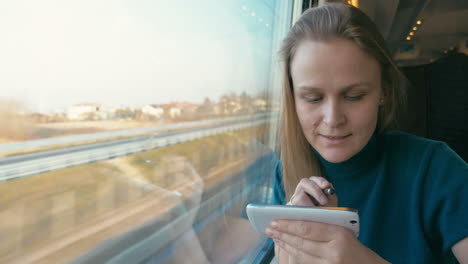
[50, 130]
[74, 127]
[59, 129]
[24, 131]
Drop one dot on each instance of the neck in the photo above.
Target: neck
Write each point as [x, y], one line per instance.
[354, 166]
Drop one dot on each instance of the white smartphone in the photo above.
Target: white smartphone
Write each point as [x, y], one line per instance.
[261, 215]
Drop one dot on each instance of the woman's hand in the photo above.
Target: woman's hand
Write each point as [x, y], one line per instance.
[313, 242]
[309, 192]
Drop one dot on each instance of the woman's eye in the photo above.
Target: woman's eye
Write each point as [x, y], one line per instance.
[354, 97]
[313, 99]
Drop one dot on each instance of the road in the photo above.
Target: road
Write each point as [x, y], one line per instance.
[35, 163]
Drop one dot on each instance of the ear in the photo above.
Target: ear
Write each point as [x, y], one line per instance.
[382, 101]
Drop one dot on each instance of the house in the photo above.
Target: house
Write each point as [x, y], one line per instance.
[260, 104]
[85, 111]
[152, 110]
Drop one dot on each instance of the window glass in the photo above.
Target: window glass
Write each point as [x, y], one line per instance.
[136, 131]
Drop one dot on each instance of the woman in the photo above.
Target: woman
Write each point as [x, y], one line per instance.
[341, 95]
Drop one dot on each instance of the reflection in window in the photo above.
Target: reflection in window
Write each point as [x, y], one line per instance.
[136, 132]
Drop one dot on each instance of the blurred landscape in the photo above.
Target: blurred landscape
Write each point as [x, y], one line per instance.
[21, 124]
[59, 215]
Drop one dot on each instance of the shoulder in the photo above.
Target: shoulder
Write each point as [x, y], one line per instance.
[424, 156]
[398, 138]
[410, 146]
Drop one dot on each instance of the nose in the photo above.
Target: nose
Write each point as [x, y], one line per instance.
[333, 114]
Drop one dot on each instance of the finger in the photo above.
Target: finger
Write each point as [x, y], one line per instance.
[281, 254]
[313, 248]
[296, 255]
[303, 199]
[314, 231]
[321, 181]
[310, 187]
[324, 185]
[292, 260]
[276, 243]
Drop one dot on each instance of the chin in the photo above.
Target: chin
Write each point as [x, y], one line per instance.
[335, 157]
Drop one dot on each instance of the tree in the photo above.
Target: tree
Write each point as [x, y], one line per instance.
[14, 121]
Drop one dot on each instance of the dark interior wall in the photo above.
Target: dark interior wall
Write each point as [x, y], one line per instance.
[413, 120]
[438, 102]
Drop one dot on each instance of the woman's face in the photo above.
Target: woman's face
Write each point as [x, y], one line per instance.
[337, 91]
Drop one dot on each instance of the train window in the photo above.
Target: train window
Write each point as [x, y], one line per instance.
[136, 131]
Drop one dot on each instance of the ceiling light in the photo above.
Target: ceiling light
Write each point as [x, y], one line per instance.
[419, 22]
[408, 38]
[354, 3]
[411, 33]
[415, 28]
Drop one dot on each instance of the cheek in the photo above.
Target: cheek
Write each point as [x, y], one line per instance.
[300, 112]
[307, 117]
[365, 117]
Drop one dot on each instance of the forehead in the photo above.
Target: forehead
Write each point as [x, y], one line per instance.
[333, 64]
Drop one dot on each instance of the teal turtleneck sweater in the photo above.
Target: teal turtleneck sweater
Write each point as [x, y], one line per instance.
[411, 194]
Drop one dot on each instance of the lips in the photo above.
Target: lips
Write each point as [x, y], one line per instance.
[336, 137]
[335, 140]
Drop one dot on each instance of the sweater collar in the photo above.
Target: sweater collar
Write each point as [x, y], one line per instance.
[354, 166]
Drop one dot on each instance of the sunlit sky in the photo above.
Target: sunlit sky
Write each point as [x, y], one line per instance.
[55, 53]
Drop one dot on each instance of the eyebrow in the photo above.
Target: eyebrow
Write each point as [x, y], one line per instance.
[344, 89]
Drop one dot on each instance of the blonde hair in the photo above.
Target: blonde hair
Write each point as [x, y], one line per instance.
[324, 23]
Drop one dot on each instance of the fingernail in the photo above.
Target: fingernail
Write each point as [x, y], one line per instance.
[271, 233]
[274, 224]
[323, 181]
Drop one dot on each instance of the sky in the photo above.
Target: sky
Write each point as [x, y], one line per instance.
[56, 53]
